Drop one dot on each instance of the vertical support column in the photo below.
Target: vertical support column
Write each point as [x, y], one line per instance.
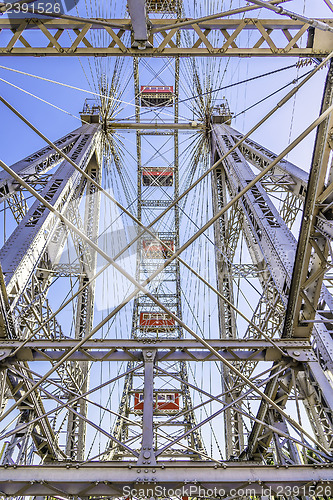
[137, 10]
[147, 455]
[226, 243]
[312, 247]
[138, 137]
[149, 203]
[278, 246]
[120, 429]
[76, 428]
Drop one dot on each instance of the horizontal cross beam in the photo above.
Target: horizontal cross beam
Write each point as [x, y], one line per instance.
[217, 38]
[168, 350]
[155, 126]
[187, 478]
[147, 342]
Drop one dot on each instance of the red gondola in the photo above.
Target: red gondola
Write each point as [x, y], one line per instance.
[163, 401]
[154, 319]
[158, 6]
[157, 176]
[155, 250]
[152, 96]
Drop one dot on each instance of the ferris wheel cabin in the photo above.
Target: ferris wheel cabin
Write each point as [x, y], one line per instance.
[155, 250]
[156, 96]
[157, 176]
[154, 319]
[158, 6]
[164, 402]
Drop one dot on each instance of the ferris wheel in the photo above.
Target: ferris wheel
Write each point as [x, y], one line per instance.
[165, 283]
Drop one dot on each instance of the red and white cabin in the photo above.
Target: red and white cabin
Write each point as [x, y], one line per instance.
[153, 95]
[155, 250]
[158, 6]
[156, 319]
[165, 402]
[157, 176]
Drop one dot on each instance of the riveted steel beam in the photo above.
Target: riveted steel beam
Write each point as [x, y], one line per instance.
[216, 38]
[269, 354]
[142, 343]
[137, 10]
[312, 260]
[156, 126]
[189, 478]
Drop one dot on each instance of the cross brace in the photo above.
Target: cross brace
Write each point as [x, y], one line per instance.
[218, 38]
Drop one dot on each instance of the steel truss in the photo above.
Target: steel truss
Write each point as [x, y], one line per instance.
[47, 37]
[276, 248]
[290, 329]
[150, 257]
[38, 241]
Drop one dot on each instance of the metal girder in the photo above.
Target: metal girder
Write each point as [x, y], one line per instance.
[187, 478]
[285, 174]
[102, 351]
[263, 351]
[284, 177]
[137, 10]
[35, 165]
[76, 426]
[37, 231]
[41, 433]
[33, 169]
[246, 271]
[227, 232]
[278, 247]
[17, 205]
[33, 309]
[146, 343]
[120, 430]
[312, 255]
[310, 390]
[273, 238]
[286, 452]
[218, 38]
[194, 125]
[27, 285]
[147, 453]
